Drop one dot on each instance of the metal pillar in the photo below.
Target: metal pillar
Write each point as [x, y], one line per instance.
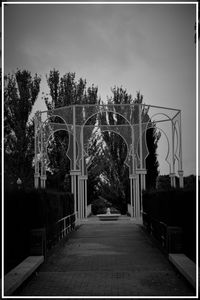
[135, 203]
[43, 166]
[138, 211]
[75, 188]
[142, 173]
[180, 172]
[85, 182]
[131, 194]
[79, 199]
[83, 196]
[135, 196]
[181, 181]
[36, 180]
[173, 175]
[132, 176]
[141, 184]
[172, 179]
[43, 181]
[140, 137]
[37, 174]
[74, 172]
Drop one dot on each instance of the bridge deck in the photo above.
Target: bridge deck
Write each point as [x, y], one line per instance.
[113, 258]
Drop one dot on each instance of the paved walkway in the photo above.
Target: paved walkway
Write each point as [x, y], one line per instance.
[114, 258]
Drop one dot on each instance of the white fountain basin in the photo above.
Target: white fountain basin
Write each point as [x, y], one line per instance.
[108, 217]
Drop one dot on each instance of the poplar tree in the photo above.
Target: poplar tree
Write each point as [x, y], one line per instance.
[116, 186]
[20, 93]
[65, 91]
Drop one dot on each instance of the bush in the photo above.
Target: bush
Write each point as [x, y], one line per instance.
[26, 210]
[99, 206]
[175, 207]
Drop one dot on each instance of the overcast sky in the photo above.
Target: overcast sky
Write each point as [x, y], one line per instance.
[142, 47]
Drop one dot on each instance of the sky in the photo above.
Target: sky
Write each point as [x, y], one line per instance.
[142, 47]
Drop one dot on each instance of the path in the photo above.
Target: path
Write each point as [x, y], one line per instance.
[107, 259]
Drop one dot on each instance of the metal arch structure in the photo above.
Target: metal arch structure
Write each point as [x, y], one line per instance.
[82, 121]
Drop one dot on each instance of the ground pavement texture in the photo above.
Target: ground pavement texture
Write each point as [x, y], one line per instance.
[115, 258]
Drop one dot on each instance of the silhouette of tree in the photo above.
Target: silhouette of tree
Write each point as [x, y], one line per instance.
[65, 91]
[152, 164]
[20, 93]
[117, 187]
[108, 175]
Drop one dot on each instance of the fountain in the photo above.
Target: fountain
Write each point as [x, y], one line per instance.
[108, 216]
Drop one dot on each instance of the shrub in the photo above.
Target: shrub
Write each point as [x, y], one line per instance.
[175, 207]
[99, 206]
[26, 210]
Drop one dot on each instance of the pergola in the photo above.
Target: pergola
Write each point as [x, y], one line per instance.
[82, 121]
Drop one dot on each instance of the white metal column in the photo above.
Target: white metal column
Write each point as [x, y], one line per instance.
[83, 196]
[181, 181]
[180, 171]
[36, 146]
[172, 174]
[75, 189]
[131, 194]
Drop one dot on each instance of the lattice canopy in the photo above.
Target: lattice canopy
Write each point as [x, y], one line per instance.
[131, 121]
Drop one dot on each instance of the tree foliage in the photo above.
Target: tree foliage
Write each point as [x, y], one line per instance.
[20, 93]
[152, 164]
[64, 91]
[108, 174]
[115, 172]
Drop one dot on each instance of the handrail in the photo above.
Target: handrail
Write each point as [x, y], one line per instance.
[67, 226]
[68, 216]
[156, 228]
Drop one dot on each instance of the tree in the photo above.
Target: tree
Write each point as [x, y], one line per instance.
[98, 161]
[20, 93]
[152, 138]
[65, 91]
[107, 172]
[152, 164]
[119, 182]
[115, 173]
[110, 154]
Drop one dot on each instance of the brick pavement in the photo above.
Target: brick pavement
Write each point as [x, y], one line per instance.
[114, 258]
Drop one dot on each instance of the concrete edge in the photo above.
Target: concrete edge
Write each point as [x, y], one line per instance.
[20, 273]
[185, 266]
[179, 260]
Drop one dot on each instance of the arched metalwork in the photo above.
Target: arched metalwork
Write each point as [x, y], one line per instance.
[126, 161]
[82, 121]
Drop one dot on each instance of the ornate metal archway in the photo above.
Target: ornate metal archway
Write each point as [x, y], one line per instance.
[136, 119]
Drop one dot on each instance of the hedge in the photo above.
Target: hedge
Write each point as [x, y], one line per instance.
[175, 207]
[27, 210]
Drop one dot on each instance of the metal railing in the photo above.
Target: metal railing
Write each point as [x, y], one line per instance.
[156, 228]
[65, 225]
[169, 237]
